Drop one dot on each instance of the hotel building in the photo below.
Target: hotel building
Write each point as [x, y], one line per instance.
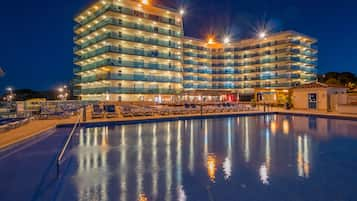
[130, 50]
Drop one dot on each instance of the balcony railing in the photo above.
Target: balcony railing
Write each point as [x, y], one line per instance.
[129, 25]
[195, 86]
[196, 78]
[126, 11]
[129, 64]
[130, 77]
[262, 85]
[112, 35]
[118, 90]
[129, 51]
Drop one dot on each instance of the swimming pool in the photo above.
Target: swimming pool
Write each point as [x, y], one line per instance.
[248, 158]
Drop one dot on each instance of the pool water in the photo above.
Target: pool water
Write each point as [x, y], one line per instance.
[247, 158]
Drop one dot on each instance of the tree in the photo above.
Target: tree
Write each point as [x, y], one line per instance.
[332, 81]
[347, 79]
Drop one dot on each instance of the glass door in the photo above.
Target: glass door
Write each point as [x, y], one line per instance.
[312, 101]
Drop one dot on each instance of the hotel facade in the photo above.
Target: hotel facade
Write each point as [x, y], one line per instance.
[127, 50]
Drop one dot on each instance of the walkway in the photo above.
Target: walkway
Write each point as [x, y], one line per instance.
[29, 130]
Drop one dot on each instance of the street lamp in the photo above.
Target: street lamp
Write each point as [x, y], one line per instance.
[62, 93]
[10, 94]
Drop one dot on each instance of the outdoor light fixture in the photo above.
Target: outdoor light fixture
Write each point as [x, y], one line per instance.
[210, 41]
[262, 34]
[10, 96]
[226, 40]
[146, 2]
[182, 11]
[63, 93]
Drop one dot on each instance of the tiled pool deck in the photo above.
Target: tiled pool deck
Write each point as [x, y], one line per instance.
[37, 127]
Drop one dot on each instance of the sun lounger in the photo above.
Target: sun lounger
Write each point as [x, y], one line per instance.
[126, 112]
[6, 124]
[148, 111]
[137, 112]
[97, 112]
[110, 111]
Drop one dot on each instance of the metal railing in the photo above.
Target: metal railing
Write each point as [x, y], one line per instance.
[64, 148]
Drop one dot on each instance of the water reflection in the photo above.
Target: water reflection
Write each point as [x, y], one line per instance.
[155, 165]
[178, 160]
[211, 167]
[123, 168]
[303, 156]
[227, 164]
[92, 155]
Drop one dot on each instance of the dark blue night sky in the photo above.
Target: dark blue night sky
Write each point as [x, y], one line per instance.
[36, 35]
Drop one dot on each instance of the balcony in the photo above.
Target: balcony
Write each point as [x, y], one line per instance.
[129, 51]
[126, 11]
[190, 54]
[118, 90]
[129, 25]
[130, 77]
[129, 64]
[195, 86]
[301, 60]
[112, 35]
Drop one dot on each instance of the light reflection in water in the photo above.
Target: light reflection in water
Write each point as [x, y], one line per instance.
[212, 167]
[205, 143]
[303, 156]
[180, 190]
[139, 168]
[123, 168]
[152, 157]
[89, 160]
[155, 166]
[286, 127]
[264, 168]
[263, 172]
[181, 194]
[143, 197]
[273, 127]
[192, 154]
[227, 164]
[168, 165]
[246, 140]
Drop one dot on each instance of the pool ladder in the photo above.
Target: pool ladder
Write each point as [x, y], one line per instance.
[64, 148]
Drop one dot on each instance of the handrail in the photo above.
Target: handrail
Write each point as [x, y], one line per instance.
[64, 148]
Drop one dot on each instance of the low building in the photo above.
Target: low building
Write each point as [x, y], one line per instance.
[318, 96]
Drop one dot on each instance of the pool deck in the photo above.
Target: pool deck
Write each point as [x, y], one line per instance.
[29, 130]
[36, 127]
